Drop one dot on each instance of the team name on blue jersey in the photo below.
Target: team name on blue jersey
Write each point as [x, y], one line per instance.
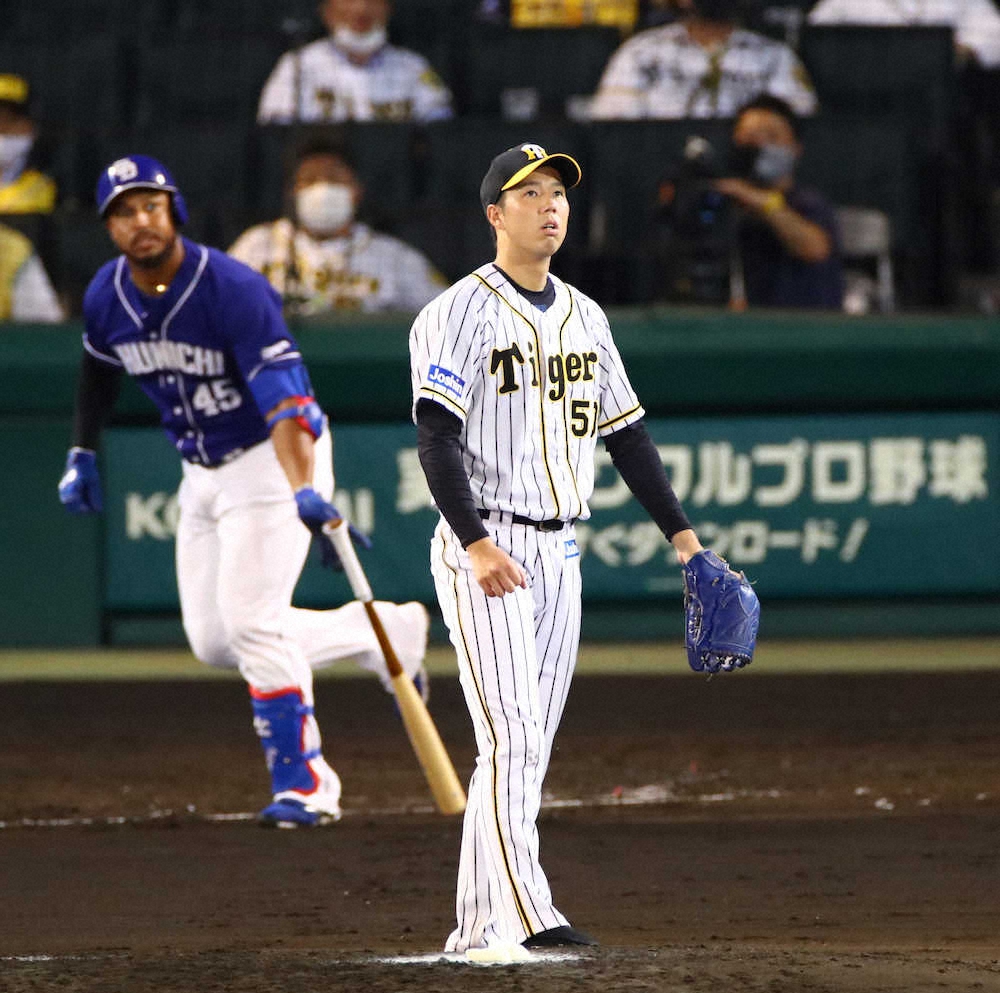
[143, 357]
[213, 352]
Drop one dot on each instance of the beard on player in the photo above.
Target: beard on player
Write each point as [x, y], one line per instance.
[148, 260]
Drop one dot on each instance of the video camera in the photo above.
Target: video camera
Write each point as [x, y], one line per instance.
[698, 224]
[697, 227]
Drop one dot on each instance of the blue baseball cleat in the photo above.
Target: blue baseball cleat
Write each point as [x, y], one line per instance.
[295, 814]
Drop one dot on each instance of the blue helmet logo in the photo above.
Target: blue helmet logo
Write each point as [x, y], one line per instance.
[138, 172]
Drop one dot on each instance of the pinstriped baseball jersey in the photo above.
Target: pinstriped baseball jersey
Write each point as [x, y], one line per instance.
[362, 270]
[664, 73]
[533, 389]
[394, 85]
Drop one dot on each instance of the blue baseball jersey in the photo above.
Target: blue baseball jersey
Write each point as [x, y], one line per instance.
[213, 352]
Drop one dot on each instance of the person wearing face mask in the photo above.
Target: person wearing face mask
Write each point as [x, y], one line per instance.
[23, 190]
[703, 65]
[787, 235]
[321, 260]
[353, 74]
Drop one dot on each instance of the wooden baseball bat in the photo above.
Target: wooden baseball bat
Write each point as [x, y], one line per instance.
[423, 734]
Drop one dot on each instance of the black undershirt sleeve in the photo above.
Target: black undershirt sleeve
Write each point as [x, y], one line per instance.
[96, 392]
[440, 450]
[635, 456]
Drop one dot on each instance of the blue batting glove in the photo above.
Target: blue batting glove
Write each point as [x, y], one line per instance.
[80, 486]
[314, 512]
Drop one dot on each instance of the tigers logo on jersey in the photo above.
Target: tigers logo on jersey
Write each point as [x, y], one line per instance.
[562, 369]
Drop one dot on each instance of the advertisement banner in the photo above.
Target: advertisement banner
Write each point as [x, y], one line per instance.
[833, 506]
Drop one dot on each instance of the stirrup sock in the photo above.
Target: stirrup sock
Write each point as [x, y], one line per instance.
[279, 720]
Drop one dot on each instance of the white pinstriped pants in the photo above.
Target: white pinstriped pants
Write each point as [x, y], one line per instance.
[516, 656]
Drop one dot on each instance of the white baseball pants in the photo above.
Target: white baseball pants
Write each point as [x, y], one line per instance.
[516, 656]
[240, 550]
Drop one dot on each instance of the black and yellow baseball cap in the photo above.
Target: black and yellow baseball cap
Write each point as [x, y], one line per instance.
[510, 167]
[14, 91]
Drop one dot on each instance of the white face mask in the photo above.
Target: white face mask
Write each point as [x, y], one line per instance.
[323, 208]
[360, 42]
[14, 149]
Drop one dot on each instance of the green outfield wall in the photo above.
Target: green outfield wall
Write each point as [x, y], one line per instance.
[850, 466]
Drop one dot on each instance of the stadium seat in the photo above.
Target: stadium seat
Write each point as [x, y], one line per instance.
[455, 237]
[867, 161]
[83, 83]
[437, 29]
[208, 161]
[458, 153]
[82, 247]
[200, 80]
[557, 63]
[232, 18]
[29, 20]
[884, 162]
[908, 71]
[866, 238]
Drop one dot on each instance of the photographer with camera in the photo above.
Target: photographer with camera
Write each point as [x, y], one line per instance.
[738, 230]
[786, 234]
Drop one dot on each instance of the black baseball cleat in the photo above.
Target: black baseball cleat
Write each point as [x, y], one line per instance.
[558, 937]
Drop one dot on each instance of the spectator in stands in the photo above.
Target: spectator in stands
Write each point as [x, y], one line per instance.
[353, 74]
[321, 260]
[23, 190]
[788, 243]
[976, 22]
[704, 65]
[25, 291]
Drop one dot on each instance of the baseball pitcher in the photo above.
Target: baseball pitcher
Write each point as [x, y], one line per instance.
[515, 375]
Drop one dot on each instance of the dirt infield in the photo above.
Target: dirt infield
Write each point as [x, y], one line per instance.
[781, 834]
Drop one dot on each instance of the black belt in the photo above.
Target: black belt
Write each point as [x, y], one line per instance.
[504, 517]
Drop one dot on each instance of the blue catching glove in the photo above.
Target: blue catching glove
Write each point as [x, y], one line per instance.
[721, 613]
[80, 486]
[314, 512]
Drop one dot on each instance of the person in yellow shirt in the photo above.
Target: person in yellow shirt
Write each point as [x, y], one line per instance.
[25, 291]
[23, 190]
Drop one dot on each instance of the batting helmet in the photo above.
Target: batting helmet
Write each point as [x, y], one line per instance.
[138, 172]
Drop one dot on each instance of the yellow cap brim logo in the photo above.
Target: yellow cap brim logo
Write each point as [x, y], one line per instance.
[528, 169]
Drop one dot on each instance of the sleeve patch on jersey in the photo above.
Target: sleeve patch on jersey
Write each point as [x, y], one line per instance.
[446, 380]
[273, 351]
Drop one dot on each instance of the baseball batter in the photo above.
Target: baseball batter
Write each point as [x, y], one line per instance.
[204, 337]
[515, 375]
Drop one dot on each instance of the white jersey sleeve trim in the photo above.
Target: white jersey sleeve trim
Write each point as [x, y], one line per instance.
[109, 359]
